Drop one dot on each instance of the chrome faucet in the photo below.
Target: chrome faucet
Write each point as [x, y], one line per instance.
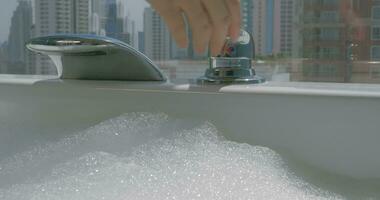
[95, 58]
[101, 58]
[233, 64]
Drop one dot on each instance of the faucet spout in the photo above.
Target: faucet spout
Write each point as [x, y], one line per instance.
[95, 58]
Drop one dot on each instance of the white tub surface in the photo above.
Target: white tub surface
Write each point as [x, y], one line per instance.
[334, 128]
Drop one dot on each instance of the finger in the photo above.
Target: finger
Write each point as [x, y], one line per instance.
[173, 18]
[177, 27]
[199, 23]
[220, 19]
[234, 9]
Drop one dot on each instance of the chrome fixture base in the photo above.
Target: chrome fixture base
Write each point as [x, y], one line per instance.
[95, 58]
[251, 80]
[225, 70]
[234, 63]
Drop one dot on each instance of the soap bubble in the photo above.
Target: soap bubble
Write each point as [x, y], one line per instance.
[150, 156]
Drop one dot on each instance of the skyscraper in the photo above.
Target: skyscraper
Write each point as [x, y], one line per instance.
[262, 25]
[59, 16]
[338, 40]
[115, 21]
[98, 17]
[273, 26]
[112, 25]
[3, 58]
[156, 36]
[285, 33]
[141, 42]
[20, 60]
[247, 15]
[130, 30]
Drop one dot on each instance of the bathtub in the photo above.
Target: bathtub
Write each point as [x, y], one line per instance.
[320, 128]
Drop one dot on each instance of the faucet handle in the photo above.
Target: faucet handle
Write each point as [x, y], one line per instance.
[243, 47]
[234, 63]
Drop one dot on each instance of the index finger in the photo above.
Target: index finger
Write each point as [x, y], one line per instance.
[174, 20]
[235, 12]
[220, 19]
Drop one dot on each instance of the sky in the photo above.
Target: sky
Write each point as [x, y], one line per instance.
[6, 9]
[134, 8]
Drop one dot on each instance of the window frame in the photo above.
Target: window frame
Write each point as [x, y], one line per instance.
[372, 49]
[372, 35]
[373, 12]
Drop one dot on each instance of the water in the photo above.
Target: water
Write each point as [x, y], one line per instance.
[151, 156]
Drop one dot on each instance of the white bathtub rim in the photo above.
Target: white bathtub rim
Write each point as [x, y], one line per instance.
[279, 88]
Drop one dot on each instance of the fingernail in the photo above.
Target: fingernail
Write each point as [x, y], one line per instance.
[234, 36]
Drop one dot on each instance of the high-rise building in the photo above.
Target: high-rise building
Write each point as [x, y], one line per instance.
[112, 23]
[247, 15]
[363, 45]
[59, 16]
[98, 17]
[3, 58]
[115, 21]
[141, 42]
[285, 34]
[263, 26]
[130, 30]
[20, 60]
[324, 39]
[156, 36]
[273, 26]
[339, 39]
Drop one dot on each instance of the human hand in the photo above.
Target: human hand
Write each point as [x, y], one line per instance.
[211, 21]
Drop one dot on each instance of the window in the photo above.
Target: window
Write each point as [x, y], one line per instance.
[329, 16]
[330, 3]
[376, 33]
[327, 70]
[375, 53]
[376, 12]
[330, 34]
[329, 52]
[319, 70]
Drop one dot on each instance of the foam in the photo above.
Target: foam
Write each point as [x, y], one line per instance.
[150, 156]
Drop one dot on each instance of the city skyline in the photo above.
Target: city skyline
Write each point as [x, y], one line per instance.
[46, 17]
[250, 13]
[6, 12]
[9, 6]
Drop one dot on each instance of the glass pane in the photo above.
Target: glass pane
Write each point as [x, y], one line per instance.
[296, 40]
[376, 12]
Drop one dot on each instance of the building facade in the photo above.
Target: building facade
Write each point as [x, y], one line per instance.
[285, 34]
[59, 16]
[156, 36]
[273, 26]
[19, 59]
[340, 41]
[98, 17]
[247, 15]
[141, 42]
[130, 30]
